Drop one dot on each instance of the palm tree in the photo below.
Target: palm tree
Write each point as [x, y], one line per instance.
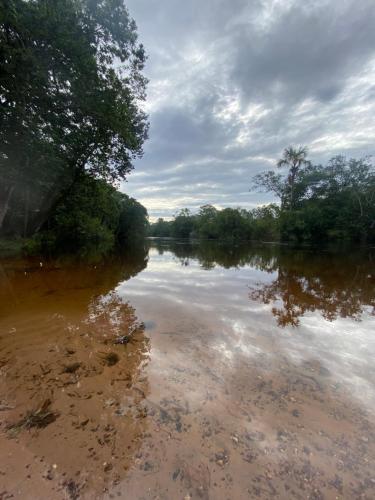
[294, 159]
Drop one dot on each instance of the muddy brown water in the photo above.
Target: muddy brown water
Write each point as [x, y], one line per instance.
[189, 371]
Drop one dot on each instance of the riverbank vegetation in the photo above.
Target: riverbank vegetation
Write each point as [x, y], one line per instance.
[71, 120]
[232, 224]
[93, 213]
[317, 204]
[323, 203]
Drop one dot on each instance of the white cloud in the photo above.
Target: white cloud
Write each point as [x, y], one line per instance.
[233, 83]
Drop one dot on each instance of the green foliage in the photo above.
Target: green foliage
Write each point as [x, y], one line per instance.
[234, 224]
[229, 224]
[330, 202]
[207, 223]
[266, 225]
[10, 248]
[70, 90]
[89, 214]
[295, 159]
[318, 204]
[133, 221]
[161, 228]
[94, 213]
[183, 224]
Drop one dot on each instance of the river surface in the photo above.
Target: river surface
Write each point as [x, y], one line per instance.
[189, 371]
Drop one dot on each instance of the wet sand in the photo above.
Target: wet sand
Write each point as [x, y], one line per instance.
[180, 381]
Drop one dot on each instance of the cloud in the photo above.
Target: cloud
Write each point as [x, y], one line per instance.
[306, 50]
[233, 83]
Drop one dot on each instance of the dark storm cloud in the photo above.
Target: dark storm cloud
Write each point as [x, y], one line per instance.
[233, 83]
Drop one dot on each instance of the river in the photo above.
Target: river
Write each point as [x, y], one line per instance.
[189, 371]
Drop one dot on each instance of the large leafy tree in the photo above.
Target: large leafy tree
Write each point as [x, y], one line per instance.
[70, 91]
[183, 224]
[93, 214]
[207, 226]
[344, 192]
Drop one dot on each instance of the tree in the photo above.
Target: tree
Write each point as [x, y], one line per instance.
[232, 225]
[229, 224]
[321, 203]
[207, 226]
[285, 186]
[266, 222]
[93, 213]
[345, 193]
[88, 215]
[133, 221]
[183, 224]
[270, 182]
[294, 159]
[70, 91]
[161, 228]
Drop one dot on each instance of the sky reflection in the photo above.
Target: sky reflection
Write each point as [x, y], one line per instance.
[264, 302]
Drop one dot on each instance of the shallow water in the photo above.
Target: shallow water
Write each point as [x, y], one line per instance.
[243, 372]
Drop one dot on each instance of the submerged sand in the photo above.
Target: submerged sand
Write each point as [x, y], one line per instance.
[178, 382]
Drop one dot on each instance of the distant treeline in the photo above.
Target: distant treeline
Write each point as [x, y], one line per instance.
[227, 224]
[317, 204]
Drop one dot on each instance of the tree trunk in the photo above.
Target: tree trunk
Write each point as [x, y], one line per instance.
[26, 212]
[4, 204]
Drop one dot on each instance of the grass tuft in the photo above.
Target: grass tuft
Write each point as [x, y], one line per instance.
[38, 418]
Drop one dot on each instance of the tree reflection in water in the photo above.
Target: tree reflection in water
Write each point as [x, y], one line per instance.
[336, 284]
[64, 319]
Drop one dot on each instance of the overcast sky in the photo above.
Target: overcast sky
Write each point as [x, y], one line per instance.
[233, 82]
